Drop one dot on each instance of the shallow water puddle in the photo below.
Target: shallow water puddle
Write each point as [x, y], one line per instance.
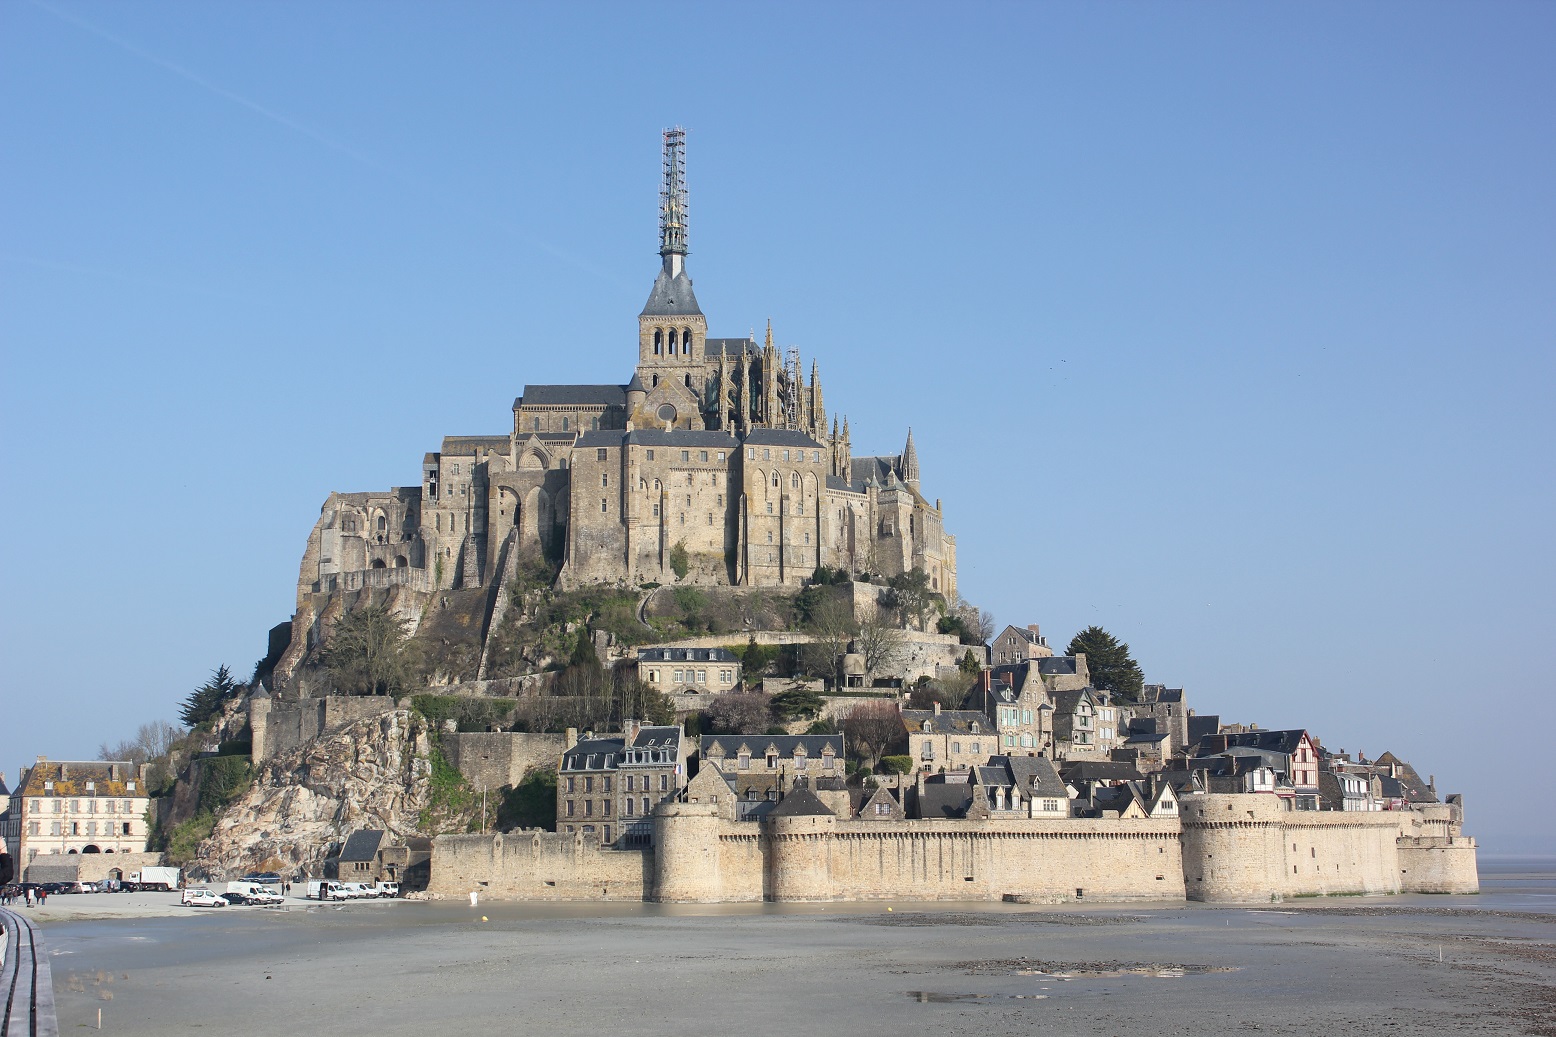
[928, 997]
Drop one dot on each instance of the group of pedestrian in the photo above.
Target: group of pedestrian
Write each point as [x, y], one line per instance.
[32, 896]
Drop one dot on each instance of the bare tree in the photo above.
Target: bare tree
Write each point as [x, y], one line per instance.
[151, 741]
[872, 728]
[881, 643]
[833, 625]
[739, 714]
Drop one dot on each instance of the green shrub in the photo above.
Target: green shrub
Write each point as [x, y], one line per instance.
[680, 564]
[895, 765]
[222, 780]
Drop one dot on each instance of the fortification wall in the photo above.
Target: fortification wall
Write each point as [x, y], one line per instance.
[1339, 852]
[281, 725]
[1240, 848]
[1438, 865]
[538, 866]
[87, 867]
[818, 858]
[492, 759]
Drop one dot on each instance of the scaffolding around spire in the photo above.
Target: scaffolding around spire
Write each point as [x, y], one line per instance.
[672, 196]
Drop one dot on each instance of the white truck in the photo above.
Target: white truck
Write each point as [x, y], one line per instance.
[253, 893]
[327, 889]
[156, 878]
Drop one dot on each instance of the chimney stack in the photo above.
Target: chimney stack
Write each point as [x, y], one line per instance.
[937, 707]
[571, 739]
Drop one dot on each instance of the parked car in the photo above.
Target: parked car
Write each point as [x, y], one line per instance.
[388, 889]
[202, 898]
[359, 891]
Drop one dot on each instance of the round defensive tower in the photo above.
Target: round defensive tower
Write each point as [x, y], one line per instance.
[1232, 848]
[686, 853]
[800, 850]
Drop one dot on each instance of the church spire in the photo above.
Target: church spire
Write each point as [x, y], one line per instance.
[672, 202]
[910, 463]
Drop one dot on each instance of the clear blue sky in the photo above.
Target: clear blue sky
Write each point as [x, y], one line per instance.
[1227, 326]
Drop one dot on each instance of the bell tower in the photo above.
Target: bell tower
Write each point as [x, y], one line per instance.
[672, 331]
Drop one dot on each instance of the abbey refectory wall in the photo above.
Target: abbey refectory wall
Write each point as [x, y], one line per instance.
[1225, 848]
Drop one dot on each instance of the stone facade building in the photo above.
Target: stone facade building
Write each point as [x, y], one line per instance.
[79, 807]
[716, 458]
[698, 671]
[609, 787]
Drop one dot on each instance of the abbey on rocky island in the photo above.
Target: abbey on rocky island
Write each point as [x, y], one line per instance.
[714, 464]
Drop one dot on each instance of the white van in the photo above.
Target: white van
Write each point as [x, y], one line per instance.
[253, 893]
[326, 889]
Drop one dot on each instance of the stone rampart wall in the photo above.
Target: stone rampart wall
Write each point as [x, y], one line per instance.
[538, 866]
[281, 725]
[87, 867]
[1438, 865]
[492, 759]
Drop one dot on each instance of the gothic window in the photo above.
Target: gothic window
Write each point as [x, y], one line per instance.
[776, 483]
[794, 480]
[657, 487]
[656, 379]
[659, 338]
[565, 424]
[688, 381]
[643, 484]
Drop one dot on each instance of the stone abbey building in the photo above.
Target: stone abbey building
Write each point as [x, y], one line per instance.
[717, 454]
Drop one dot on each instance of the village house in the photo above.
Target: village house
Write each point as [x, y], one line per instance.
[1020, 644]
[1292, 752]
[73, 807]
[699, 671]
[951, 739]
[609, 786]
[1029, 785]
[1016, 700]
[762, 768]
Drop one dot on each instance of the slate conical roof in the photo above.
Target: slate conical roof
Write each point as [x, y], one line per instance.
[672, 296]
[801, 802]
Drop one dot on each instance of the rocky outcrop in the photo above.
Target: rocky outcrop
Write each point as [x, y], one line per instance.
[374, 773]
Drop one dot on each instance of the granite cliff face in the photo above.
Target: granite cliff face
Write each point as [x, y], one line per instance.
[373, 773]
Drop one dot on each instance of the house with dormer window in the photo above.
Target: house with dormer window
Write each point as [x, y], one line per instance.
[948, 739]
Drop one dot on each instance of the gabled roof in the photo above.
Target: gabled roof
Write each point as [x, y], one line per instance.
[947, 721]
[814, 745]
[1200, 726]
[1417, 791]
[1036, 774]
[362, 846]
[572, 396]
[70, 778]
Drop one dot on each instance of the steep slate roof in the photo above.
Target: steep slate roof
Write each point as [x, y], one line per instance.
[690, 655]
[362, 846]
[730, 346]
[3, 790]
[1065, 665]
[572, 396]
[785, 744]
[70, 777]
[780, 437]
[800, 802]
[671, 296]
[680, 437]
[1099, 770]
[1036, 774]
[593, 754]
[463, 446]
[658, 736]
[944, 799]
[883, 470]
[1417, 791]
[947, 721]
[1270, 741]
[1199, 727]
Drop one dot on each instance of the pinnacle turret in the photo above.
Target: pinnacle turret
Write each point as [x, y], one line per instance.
[909, 466]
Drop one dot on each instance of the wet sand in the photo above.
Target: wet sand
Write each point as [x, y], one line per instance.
[1350, 965]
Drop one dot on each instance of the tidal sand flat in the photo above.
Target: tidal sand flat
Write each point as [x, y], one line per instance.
[1395, 966]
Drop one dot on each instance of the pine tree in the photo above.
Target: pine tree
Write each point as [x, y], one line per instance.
[206, 701]
[1108, 660]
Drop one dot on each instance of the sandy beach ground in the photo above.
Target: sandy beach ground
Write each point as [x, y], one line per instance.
[1347, 966]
